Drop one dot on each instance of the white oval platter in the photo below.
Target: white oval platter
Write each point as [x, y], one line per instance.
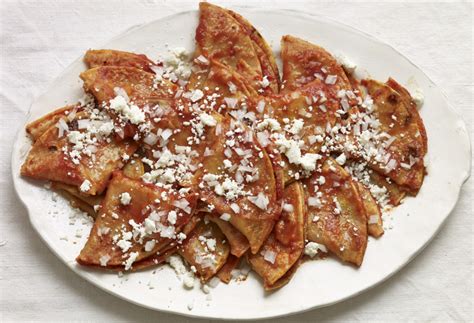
[316, 283]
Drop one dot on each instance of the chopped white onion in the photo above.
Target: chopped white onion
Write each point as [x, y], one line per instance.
[228, 153]
[121, 92]
[201, 59]
[231, 102]
[373, 219]
[389, 141]
[260, 106]
[150, 139]
[261, 200]
[208, 152]
[62, 127]
[83, 123]
[269, 256]
[218, 129]
[235, 207]
[391, 165]
[72, 115]
[166, 134]
[288, 207]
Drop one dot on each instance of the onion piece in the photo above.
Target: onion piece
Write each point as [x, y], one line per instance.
[261, 201]
[269, 256]
[231, 102]
[83, 123]
[62, 127]
[150, 139]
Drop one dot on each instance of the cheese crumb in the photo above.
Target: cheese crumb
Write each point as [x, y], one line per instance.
[131, 259]
[348, 65]
[131, 112]
[104, 260]
[149, 245]
[125, 198]
[264, 83]
[196, 95]
[207, 120]
[416, 92]
[187, 277]
[269, 256]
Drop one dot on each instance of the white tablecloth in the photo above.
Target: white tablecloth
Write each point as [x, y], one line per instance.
[39, 39]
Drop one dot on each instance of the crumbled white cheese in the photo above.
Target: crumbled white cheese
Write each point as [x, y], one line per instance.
[130, 260]
[260, 106]
[270, 123]
[124, 244]
[331, 79]
[308, 161]
[104, 260]
[341, 159]
[207, 120]
[180, 237]
[62, 127]
[211, 244]
[187, 277]
[131, 112]
[149, 245]
[291, 148]
[264, 83]
[228, 188]
[416, 92]
[196, 95]
[348, 65]
[125, 198]
[297, 126]
[314, 201]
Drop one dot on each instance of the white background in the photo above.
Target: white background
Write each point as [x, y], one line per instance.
[40, 38]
